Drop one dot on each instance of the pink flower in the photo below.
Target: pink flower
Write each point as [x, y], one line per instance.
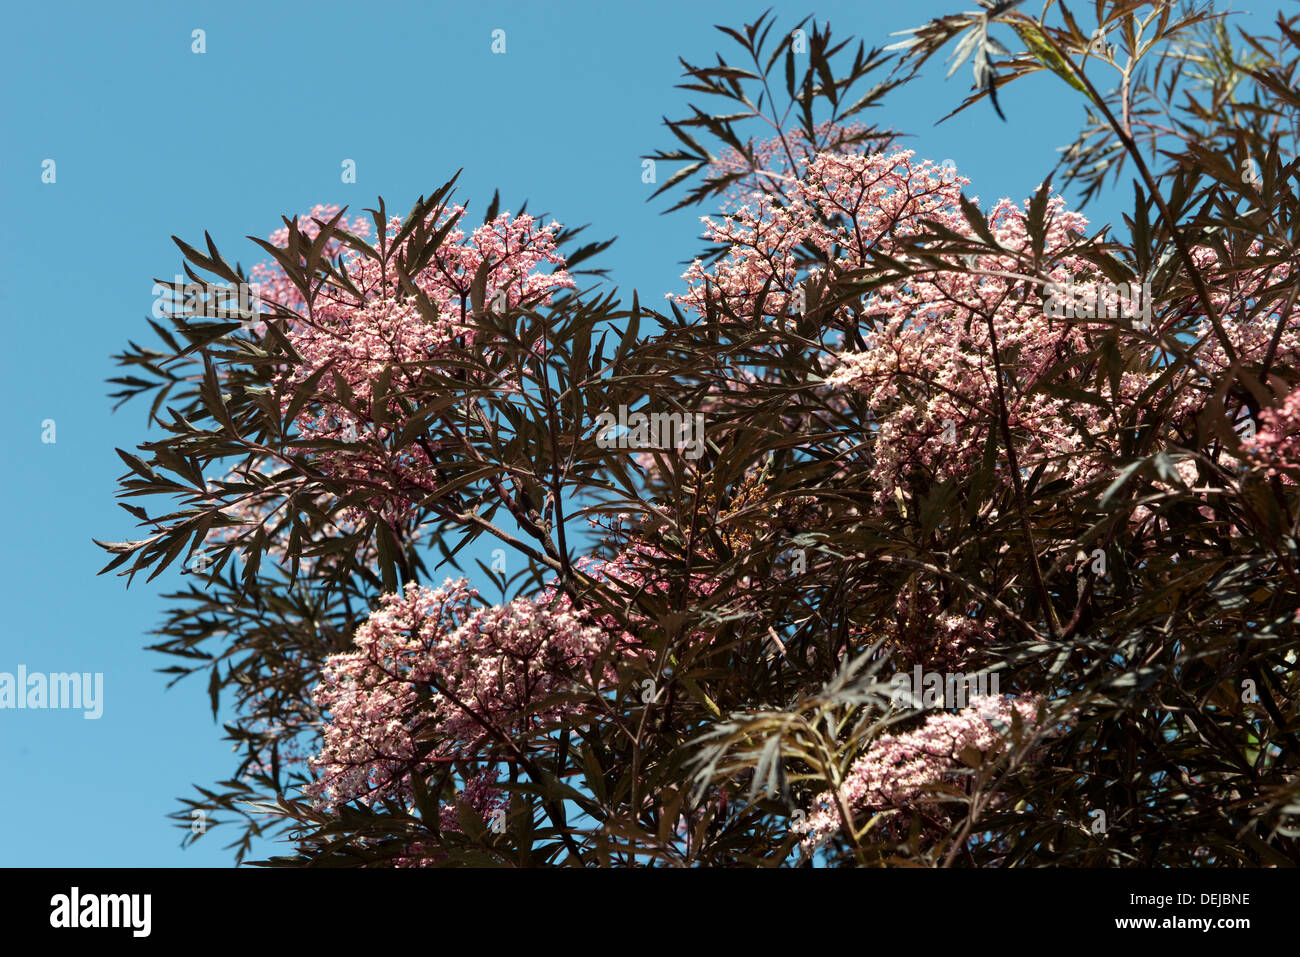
[380, 328]
[433, 677]
[895, 772]
[1276, 447]
[928, 369]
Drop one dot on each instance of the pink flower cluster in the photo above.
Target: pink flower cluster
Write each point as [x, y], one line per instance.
[359, 338]
[777, 160]
[1276, 446]
[274, 286]
[1239, 299]
[433, 677]
[921, 633]
[928, 368]
[895, 771]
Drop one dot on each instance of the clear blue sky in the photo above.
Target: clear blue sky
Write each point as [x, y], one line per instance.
[152, 140]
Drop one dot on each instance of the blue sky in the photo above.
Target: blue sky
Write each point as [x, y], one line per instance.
[150, 140]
